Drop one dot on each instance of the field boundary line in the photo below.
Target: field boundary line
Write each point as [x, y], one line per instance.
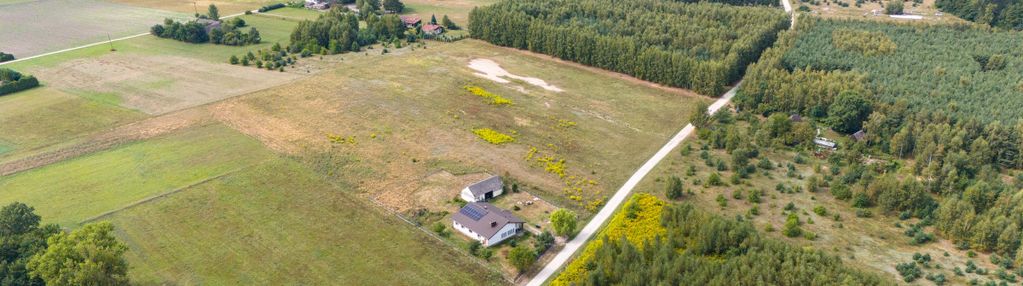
[93, 44]
[168, 193]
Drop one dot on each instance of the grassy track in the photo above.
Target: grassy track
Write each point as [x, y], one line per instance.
[71, 191]
[275, 224]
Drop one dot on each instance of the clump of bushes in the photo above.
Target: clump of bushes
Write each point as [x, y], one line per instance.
[12, 81]
[6, 57]
[494, 99]
[492, 136]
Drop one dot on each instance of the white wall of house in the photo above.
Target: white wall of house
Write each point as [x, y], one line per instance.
[508, 231]
[468, 232]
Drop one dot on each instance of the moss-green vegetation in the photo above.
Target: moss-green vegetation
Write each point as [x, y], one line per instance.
[280, 223]
[91, 185]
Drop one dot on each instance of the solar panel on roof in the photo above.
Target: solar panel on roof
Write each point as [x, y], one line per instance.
[473, 211]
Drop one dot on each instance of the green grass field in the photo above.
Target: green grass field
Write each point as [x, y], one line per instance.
[295, 13]
[277, 223]
[74, 190]
[44, 116]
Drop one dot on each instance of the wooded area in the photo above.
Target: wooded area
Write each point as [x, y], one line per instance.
[937, 99]
[1006, 14]
[703, 46]
[338, 31]
[703, 249]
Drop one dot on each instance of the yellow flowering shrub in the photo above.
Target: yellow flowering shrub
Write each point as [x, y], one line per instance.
[494, 137]
[645, 224]
[494, 99]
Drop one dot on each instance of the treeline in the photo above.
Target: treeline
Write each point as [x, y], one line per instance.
[702, 46]
[208, 28]
[956, 173]
[1006, 14]
[338, 31]
[228, 33]
[4, 57]
[703, 249]
[12, 81]
[35, 254]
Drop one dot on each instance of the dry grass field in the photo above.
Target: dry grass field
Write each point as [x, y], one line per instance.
[457, 10]
[73, 23]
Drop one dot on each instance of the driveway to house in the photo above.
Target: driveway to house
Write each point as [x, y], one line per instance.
[609, 208]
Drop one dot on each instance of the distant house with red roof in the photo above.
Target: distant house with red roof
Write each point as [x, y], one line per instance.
[411, 21]
[433, 30]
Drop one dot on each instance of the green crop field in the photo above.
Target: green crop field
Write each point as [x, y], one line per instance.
[277, 223]
[91, 185]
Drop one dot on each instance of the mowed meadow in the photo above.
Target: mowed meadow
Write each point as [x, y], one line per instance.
[221, 174]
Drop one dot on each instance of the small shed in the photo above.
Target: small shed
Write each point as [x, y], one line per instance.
[825, 143]
[209, 24]
[859, 135]
[483, 190]
[795, 118]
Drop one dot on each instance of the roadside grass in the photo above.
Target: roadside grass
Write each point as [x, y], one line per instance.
[294, 13]
[407, 108]
[36, 27]
[873, 244]
[271, 29]
[45, 115]
[72, 191]
[279, 223]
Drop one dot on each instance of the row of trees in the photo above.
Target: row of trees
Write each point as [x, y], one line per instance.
[12, 81]
[997, 13]
[703, 249]
[35, 254]
[702, 46]
[956, 178]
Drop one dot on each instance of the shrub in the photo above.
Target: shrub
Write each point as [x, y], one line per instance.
[494, 137]
[563, 221]
[494, 99]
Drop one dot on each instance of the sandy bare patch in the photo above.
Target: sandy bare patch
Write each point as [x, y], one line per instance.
[160, 84]
[431, 192]
[489, 69]
[277, 134]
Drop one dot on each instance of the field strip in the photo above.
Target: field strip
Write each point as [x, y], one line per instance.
[168, 193]
[612, 205]
[94, 44]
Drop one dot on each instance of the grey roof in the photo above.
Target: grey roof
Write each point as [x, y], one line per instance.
[484, 219]
[484, 186]
[859, 135]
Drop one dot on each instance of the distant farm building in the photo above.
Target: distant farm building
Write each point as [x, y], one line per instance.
[825, 143]
[486, 223]
[209, 24]
[319, 4]
[483, 190]
[795, 118]
[411, 21]
[433, 30]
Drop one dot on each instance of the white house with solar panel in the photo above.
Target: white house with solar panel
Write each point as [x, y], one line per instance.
[486, 223]
[483, 190]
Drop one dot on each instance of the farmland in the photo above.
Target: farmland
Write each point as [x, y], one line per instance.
[81, 22]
